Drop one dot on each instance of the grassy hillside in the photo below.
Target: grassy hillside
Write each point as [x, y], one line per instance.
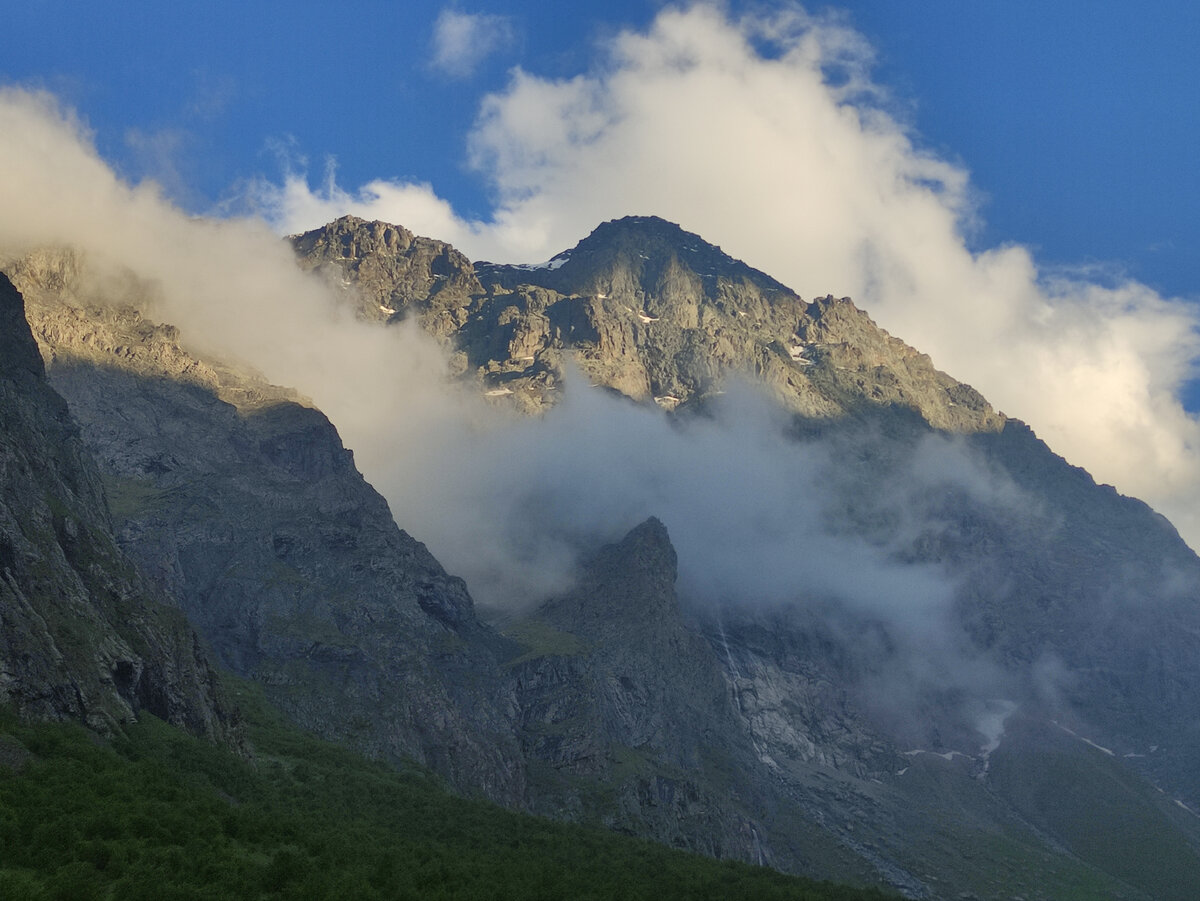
[158, 815]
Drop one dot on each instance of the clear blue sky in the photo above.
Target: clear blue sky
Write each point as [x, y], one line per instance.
[1079, 121]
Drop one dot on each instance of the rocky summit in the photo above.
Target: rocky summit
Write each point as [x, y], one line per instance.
[644, 308]
[1025, 727]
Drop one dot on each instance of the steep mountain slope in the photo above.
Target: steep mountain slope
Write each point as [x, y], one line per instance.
[630, 701]
[84, 636]
[243, 503]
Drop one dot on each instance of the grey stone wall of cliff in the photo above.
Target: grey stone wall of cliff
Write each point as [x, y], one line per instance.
[84, 635]
[240, 500]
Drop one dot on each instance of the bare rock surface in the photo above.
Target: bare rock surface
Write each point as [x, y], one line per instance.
[241, 501]
[84, 636]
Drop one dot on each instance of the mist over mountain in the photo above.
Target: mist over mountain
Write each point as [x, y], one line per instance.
[657, 543]
[743, 572]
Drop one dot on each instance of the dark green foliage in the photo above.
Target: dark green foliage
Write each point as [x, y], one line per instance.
[160, 815]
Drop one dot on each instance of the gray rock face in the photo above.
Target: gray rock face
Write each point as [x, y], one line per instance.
[624, 710]
[84, 636]
[646, 309]
[394, 272]
[243, 503]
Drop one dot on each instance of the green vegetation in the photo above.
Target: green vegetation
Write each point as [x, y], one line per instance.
[541, 639]
[1103, 813]
[156, 814]
[129, 497]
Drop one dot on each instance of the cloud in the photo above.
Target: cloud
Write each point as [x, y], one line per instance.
[509, 502]
[158, 154]
[767, 135]
[504, 500]
[230, 285]
[462, 41]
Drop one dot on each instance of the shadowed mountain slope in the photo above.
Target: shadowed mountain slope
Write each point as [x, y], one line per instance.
[84, 636]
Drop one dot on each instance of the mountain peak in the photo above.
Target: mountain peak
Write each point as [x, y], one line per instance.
[629, 581]
[645, 308]
[640, 251]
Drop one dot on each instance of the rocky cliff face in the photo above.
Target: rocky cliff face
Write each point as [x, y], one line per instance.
[394, 273]
[624, 710]
[84, 636]
[645, 308]
[242, 502]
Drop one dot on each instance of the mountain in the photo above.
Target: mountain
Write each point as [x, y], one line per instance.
[85, 637]
[986, 692]
[1075, 606]
[1064, 569]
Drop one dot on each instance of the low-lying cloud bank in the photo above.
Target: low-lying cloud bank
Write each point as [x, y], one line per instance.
[765, 134]
[504, 501]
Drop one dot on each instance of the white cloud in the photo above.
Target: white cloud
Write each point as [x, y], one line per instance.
[461, 41]
[502, 500]
[506, 501]
[765, 134]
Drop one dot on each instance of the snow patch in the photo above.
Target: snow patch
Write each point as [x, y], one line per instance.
[1086, 741]
[497, 392]
[796, 352]
[647, 318]
[386, 309]
[947, 755]
[551, 264]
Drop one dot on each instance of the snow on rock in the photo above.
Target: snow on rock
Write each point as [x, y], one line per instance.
[1086, 741]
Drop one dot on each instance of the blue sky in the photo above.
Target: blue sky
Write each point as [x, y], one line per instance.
[1078, 121]
[1010, 187]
